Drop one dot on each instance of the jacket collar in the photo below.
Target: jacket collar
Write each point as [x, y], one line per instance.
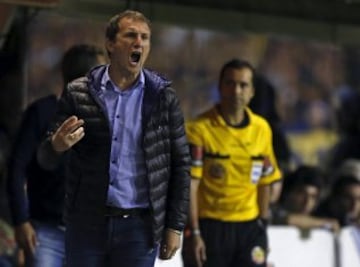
[154, 84]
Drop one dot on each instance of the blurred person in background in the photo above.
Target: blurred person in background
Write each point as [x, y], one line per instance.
[4, 153]
[128, 178]
[36, 195]
[350, 167]
[7, 240]
[233, 166]
[343, 201]
[299, 199]
[348, 123]
[263, 103]
[8, 250]
[312, 145]
[4, 150]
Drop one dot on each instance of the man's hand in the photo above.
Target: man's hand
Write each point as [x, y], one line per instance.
[170, 244]
[68, 134]
[199, 250]
[331, 224]
[26, 237]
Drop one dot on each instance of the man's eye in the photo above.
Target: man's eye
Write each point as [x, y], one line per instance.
[230, 83]
[145, 37]
[243, 85]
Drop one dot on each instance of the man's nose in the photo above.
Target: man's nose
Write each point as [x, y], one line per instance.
[238, 89]
[138, 40]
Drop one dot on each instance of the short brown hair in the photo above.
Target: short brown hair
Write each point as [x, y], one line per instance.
[113, 25]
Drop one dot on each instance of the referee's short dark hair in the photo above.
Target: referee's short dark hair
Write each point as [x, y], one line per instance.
[237, 64]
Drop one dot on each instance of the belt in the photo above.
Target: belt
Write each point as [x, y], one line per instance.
[125, 213]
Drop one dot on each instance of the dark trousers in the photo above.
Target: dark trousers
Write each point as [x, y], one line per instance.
[241, 244]
[123, 242]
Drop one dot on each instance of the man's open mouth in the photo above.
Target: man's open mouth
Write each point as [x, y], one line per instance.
[135, 57]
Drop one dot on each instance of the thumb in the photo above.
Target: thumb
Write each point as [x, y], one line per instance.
[203, 255]
[33, 243]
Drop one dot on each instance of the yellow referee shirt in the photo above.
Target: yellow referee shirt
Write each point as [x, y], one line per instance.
[231, 162]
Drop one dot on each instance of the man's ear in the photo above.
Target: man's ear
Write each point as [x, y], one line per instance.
[109, 45]
[252, 92]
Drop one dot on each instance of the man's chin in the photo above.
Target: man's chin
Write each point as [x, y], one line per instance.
[238, 106]
[135, 68]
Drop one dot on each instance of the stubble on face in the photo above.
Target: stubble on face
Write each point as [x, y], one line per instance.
[130, 49]
[236, 89]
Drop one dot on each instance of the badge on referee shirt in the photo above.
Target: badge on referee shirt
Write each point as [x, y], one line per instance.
[217, 170]
[256, 170]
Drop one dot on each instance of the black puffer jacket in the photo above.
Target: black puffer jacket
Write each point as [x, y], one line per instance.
[164, 144]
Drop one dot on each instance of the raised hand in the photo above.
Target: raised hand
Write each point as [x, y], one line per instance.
[68, 134]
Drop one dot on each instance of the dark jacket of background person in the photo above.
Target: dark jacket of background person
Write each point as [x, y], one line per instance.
[4, 153]
[88, 168]
[264, 104]
[348, 120]
[4, 149]
[43, 199]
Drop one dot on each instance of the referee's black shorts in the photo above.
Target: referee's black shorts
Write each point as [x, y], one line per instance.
[234, 244]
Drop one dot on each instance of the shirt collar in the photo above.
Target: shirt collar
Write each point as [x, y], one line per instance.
[219, 120]
[107, 83]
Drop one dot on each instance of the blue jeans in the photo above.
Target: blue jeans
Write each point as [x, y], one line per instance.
[122, 242]
[50, 251]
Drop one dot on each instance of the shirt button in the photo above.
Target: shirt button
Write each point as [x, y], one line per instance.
[113, 162]
[117, 116]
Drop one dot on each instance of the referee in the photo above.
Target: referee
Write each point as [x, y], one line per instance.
[233, 166]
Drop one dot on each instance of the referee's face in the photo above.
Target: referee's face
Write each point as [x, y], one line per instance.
[236, 88]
